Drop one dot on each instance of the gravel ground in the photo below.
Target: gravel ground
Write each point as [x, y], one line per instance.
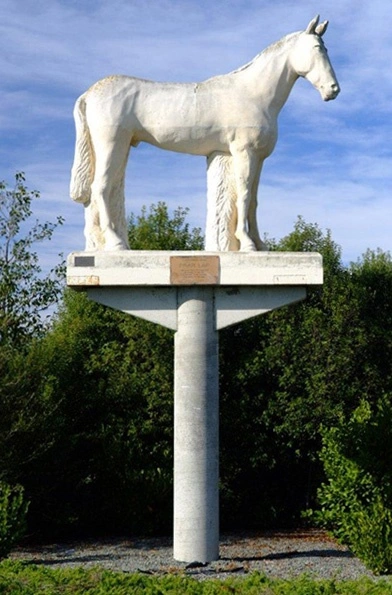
[277, 554]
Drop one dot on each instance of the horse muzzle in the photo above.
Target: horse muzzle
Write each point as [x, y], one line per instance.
[331, 92]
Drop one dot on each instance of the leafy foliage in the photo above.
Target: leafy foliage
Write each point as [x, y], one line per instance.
[157, 230]
[110, 463]
[282, 376]
[13, 509]
[24, 293]
[104, 463]
[356, 500]
[371, 535]
[86, 412]
[27, 415]
[289, 373]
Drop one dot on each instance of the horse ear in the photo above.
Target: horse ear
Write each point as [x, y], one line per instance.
[312, 25]
[321, 29]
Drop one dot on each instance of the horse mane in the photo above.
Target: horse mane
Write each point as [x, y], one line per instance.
[275, 47]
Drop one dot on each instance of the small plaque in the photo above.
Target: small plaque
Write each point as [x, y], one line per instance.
[194, 270]
[84, 261]
[290, 279]
[83, 280]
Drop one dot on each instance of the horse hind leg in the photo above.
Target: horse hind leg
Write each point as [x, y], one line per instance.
[107, 191]
[92, 228]
[221, 204]
[117, 200]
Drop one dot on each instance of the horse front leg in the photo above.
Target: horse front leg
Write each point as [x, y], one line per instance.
[246, 166]
[252, 213]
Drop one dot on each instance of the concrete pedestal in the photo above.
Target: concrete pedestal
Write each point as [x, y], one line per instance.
[196, 427]
[195, 294]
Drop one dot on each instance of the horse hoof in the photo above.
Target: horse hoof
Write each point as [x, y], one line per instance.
[115, 247]
[248, 247]
[261, 247]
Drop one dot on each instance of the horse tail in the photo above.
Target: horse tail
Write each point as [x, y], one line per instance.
[82, 173]
[221, 204]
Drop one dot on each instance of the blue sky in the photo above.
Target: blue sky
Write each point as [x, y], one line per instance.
[332, 163]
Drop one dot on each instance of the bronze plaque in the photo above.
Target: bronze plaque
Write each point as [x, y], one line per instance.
[194, 270]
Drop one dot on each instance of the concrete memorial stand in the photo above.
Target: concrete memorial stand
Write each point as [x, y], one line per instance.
[195, 294]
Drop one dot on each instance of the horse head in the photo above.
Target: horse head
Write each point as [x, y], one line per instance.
[309, 58]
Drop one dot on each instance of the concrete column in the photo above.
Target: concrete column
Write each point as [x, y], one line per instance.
[196, 427]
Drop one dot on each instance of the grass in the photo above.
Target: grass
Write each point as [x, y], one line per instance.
[23, 578]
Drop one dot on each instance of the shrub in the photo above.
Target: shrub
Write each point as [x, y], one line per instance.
[13, 509]
[371, 535]
[356, 501]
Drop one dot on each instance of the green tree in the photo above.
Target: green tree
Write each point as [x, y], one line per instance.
[13, 510]
[157, 230]
[24, 292]
[356, 498]
[293, 370]
[371, 281]
[25, 417]
[101, 384]
[107, 463]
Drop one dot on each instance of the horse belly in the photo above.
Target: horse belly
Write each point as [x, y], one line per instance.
[194, 140]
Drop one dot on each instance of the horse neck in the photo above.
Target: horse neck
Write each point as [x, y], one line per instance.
[272, 77]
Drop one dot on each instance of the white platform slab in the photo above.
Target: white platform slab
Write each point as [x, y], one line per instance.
[168, 268]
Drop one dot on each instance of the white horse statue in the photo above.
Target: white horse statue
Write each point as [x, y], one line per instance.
[230, 119]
